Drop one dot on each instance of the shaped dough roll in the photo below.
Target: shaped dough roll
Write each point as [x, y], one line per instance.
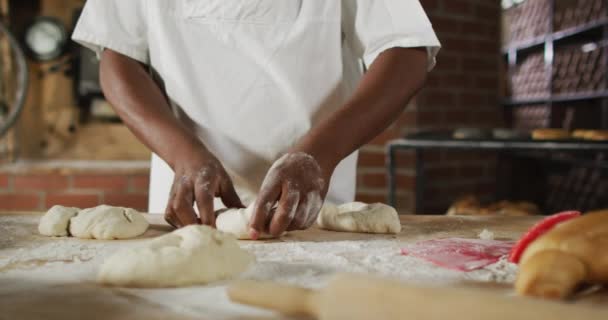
[359, 217]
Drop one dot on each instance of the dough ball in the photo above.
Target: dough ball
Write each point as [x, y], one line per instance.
[360, 217]
[189, 256]
[56, 221]
[107, 223]
[236, 222]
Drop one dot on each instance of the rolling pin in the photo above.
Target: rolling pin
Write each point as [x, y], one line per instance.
[355, 297]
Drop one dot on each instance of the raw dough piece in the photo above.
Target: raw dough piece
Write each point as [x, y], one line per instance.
[236, 222]
[359, 217]
[192, 255]
[56, 221]
[107, 223]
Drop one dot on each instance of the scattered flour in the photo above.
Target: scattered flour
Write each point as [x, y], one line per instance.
[486, 235]
[36, 259]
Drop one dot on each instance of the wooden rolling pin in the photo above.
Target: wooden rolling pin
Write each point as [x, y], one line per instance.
[356, 297]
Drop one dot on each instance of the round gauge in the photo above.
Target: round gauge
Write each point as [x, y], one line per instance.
[46, 38]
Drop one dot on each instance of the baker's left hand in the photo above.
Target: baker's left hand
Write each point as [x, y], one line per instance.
[291, 195]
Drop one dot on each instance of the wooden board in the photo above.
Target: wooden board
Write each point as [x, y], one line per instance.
[75, 301]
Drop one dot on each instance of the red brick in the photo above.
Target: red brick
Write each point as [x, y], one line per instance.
[117, 183]
[457, 81]
[446, 25]
[462, 7]
[370, 198]
[371, 159]
[430, 118]
[405, 159]
[373, 180]
[4, 181]
[471, 171]
[485, 46]
[405, 182]
[459, 117]
[385, 137]
[136, 201]
[480, 64]
[140, 183]
[439, 98]
[407, 118]
[20, 202]
[489, 11]
[41, 182]
[486, 82]
[458, 44]
[432, 156]
[442, 173]
[448, 62]
[473, 99]
[72, 200]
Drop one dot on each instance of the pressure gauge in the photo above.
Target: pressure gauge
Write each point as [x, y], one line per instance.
[46, 39]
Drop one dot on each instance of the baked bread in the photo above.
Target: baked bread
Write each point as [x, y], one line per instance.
[470, 206]
[580, 133]
[514, 209]
[466, 206]
[596, 135]
[550, 134]
[572, 253]
[469, 133]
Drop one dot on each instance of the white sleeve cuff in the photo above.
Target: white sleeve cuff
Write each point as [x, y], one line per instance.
[433, 47]
[98, 44]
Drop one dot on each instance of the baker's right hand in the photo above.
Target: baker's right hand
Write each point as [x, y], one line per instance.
[199, 177]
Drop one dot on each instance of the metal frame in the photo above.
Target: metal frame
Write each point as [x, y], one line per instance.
[22, 81]
[441, 140]
[548, 42]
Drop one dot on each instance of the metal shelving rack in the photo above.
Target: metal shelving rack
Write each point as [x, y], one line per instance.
[549, 41]
[421, 142]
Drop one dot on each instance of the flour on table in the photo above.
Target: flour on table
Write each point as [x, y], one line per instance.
[192, 255]
[31, 261]
[359, 217]
[486, 235]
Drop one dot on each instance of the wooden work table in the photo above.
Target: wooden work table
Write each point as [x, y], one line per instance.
[28, 292]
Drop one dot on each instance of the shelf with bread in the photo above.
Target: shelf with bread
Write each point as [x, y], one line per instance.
[554, 53]
[545, 141]
[533, 24]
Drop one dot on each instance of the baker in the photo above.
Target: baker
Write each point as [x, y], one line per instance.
[242, 98]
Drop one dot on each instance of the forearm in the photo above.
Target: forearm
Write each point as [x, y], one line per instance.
[142, 106]
[383, 93]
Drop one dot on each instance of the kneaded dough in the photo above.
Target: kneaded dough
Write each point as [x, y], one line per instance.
[189, 256]
[56, 221]
[107, 223]
[236, 222]
[359, 217]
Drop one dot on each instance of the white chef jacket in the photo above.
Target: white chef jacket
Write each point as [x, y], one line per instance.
[250, 77]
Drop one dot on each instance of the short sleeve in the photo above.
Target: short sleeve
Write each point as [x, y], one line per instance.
[373, 26]
[119, 25]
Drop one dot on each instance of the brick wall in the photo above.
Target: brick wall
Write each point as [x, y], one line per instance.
[462, 91]
[40, 191]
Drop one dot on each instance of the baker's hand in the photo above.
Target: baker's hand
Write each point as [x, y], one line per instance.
[295, 182]
[199, 177]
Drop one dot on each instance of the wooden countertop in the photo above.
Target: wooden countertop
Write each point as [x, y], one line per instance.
[28, 299]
